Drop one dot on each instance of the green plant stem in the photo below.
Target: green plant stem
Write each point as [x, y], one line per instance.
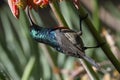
[90, 71]
[96, 15]
[58, 14]
[98, 38]
[29, 68]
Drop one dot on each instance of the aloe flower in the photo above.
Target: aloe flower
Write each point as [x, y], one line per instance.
[16, 4]
[41, 2]
[14, 7]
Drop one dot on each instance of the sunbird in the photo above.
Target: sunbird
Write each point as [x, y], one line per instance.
[63, 39]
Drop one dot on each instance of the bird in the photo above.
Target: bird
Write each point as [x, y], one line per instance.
[64, 40]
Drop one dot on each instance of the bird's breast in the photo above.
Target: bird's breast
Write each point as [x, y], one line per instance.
[46, 36]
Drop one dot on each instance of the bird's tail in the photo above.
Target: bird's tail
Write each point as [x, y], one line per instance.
[91, 61]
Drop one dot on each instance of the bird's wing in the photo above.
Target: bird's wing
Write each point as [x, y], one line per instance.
[70, 49]
[74, 38]
[67, 46]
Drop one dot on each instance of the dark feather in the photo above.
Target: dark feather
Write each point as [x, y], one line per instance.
[71, 48]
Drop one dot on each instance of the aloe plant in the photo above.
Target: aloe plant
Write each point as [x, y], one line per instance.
[22, 58]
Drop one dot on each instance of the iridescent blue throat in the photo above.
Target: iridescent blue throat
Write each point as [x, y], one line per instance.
[45, 35]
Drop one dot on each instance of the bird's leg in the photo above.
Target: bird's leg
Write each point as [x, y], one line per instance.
[97, 46]
[81, 19]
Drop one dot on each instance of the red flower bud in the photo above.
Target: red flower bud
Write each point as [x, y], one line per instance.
[14, 8]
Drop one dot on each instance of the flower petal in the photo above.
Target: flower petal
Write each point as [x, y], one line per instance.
[14, 8]
[41, 3]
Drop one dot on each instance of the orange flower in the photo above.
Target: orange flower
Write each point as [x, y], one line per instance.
[16, 4]
[42, 3]
[14, 7]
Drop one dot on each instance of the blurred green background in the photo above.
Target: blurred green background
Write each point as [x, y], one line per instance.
[21, 58]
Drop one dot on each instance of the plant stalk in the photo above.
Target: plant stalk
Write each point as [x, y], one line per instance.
[55, 8]
[99, 40]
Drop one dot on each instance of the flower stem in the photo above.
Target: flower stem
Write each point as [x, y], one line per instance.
[90, 71]
[98, 38]
[55, 8]
[29, 68]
